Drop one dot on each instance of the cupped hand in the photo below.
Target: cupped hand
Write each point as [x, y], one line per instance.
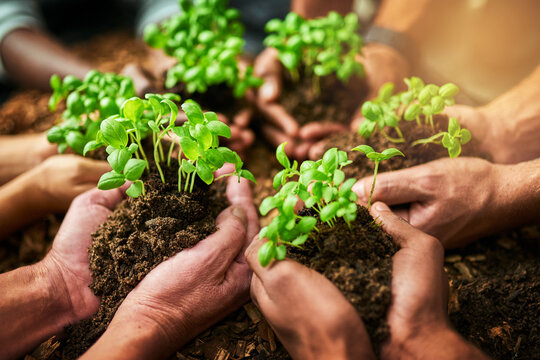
[59, 179]
[67, 263]
[197, 287]
[418, 320]
[451, 199]
[309, 314]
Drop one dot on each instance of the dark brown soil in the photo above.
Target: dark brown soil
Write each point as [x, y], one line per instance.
[495, 293]
[336, 102]
[140, 234]
[358, 260]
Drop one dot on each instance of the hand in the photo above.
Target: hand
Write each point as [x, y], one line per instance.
[451, 199]
[419, 325]
[141, 80]
[190, 291]
[59, 179]
[309, 314]
[67, 262]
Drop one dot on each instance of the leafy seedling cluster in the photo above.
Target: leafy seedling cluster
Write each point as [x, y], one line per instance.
[451, 139]
[376, 157]
[88, 103]
[321, 46]
[206, 40]
[321, 185]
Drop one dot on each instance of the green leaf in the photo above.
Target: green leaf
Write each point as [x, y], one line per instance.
[187, 167]
[453, 127]
[134, 169]
[289, 59]
[267, 253]
[133, 108]
[329, 211]
[465, 136]
[306, 224]
[385, 92]
[371, 111]
[193, 112]
[268, 204]
[228, 154]
[289, 204]
[437, 104]
[366, 128]
[203, 135]
[215, 158]
[448, 91]
[118, 159]
[346, 187]
[390, 153]
[75, 104]
[218, 128]
[282, 157]
[204, 171]
[189, 147]
[339, 176]
[246, 174]
[366, 149]
[300, 240]
[91, 145]
[55, 82]
[114, 133]
[55, 134]
[412, 112]
[330, 160]
[108, 107]
[424, 97]
[278, 180]
[281, 252]
[76, 141]
[135, 190]
[111, 180]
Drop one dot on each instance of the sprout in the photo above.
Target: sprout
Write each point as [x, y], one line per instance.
[451, 139]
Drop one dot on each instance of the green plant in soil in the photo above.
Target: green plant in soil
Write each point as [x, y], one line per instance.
[321, 185]
[88, 103]
[388, 109]
[206, 40]
[451, 139]
[321, 47]
[376, 158]
[155, 116]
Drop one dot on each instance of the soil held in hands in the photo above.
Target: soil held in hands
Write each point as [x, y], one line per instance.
[140, 234]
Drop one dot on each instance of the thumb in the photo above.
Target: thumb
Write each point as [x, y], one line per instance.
[271, 89]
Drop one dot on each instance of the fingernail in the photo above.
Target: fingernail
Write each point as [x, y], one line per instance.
[240, 213]
[379, 206]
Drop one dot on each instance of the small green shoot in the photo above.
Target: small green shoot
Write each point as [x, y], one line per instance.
[451, 139]
[376, 158]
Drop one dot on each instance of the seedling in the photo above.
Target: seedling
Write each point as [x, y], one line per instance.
[206, 40]
[155, 116]
[451, 139]
[376, 158]
[329, 195]
[88, 103]
[388, 109]
[322, 46]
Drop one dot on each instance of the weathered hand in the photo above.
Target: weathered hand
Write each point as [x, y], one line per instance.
[419, 325]
[193, 289]
[59, 179]
[309, 314]
[451, 199]
[67, 263]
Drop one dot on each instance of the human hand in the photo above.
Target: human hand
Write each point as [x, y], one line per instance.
[188, 292]
[309, 314]
[141, 80]
[59, 179]
[451, 199]
[418, 320]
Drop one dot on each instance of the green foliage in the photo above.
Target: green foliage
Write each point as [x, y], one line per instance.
[388, 109]
[88, 103]
[376, 158]
[451, 139]
[206, 40]
[321, 185]
[323, 46]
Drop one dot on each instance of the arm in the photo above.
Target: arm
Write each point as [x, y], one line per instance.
[315, 8]
[507, 128]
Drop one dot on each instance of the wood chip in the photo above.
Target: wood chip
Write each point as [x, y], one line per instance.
[253, 313]
[475, 258]
[222, 354]
[463, 270]
[452, 258]
[506, 243]
[240, 348]
[249, 349]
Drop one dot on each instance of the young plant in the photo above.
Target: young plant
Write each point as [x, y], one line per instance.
[206, 40]
[376, 158]
[321, 186]
[88, 102]
[451, 139]
[321, 46]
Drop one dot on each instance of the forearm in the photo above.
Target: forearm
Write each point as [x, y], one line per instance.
[32, 57]
[20, 203]
[32, 309]
[401, 16]
[317, 8]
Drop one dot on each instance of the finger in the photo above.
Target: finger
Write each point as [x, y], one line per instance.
[278, 116]
[301, 150]
[268, 67]
[93, 169]
[316, 151]
[243, 118]
[239, 194]
[402, 213]
[271, 88]
[393, 188]
[226, 169]
[276, 137]
[315, 131]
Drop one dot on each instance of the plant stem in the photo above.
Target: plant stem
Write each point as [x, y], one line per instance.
[143, 154]
[170, 154]
[373, 185]
[192, 182]
[316, 85]
[400, 134]
[391, 139]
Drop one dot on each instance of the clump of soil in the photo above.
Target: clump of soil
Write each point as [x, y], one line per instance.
[495, 293]
[140, 234]
[336, 103]
[358, 260]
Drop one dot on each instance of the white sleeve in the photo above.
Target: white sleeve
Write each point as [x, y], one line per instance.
[154, 11]
[16, 14]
